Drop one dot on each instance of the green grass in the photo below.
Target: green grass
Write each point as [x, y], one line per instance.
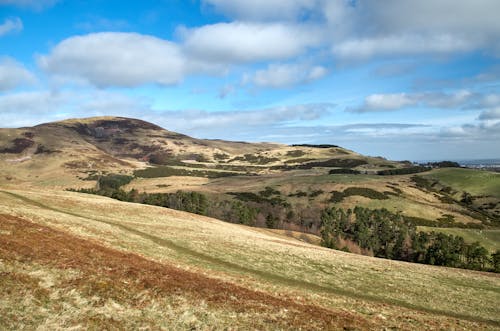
[490, 239]
[476, 182]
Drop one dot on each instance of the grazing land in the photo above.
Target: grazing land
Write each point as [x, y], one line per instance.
[72, 259]
[76, 260]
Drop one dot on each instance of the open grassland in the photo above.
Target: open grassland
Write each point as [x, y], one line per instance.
[490, 239]
[403, 196]
[74, 260]
[473, 181]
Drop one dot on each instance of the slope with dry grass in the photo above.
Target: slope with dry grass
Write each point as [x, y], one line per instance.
[77, 260]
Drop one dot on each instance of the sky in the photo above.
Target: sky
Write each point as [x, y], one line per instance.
[402, 79]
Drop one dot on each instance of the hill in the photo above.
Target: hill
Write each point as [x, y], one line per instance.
[278, 186]
[75, 260]
[74, 153]
[71, 260]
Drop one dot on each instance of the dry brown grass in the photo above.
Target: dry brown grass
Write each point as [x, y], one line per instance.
[129, 279]
[387, 293]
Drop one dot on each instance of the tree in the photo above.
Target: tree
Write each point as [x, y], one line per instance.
[477, 256]
[495, 260]
[270, 221]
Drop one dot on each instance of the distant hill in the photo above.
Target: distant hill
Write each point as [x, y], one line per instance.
[77, 147]
[289, 184]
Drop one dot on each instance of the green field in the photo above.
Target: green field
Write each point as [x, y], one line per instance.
[490, 239]
[476, 182]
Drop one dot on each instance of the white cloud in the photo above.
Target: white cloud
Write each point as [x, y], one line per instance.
[362, 29]
[284, 75]
[461, 99]
[32, 4]
[260, 10]
[131, 59]
[249, 125]
[483, 131]
[11, 25]
[386, 102]
[31, 108]
[240, 42]
[233, 121]
[404, 45]
[13, 74]
[401, 27]
[431, 16]
[117, 59]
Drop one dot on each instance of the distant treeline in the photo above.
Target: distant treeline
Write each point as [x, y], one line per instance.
[315, 146]
[443, 164]
[389, 235]
[403, 171]
[331, 163]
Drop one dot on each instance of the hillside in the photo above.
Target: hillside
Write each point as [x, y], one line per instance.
[105, 144]
[70, 260]
[75, 260]
[74, 153]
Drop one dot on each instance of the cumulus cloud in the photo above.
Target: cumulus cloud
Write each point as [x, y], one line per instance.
[130, 59]
[240, 42]
[462, 99]
[117, 59]
[363, 29]
[11, 25]
[13, 74]
[279, 31]
[285, 75]
[399, 27]
[262, 10]
[32, 4]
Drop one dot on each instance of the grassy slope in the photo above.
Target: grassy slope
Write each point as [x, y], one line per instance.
[411, 202]
[490, 239]
[472, 181]
[353, 290]
[82, 155]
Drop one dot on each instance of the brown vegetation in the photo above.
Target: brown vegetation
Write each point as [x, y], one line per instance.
[111, 274]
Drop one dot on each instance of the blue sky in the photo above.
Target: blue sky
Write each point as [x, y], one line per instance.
[401, 79]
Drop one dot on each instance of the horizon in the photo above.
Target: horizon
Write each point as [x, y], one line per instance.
[401, 80]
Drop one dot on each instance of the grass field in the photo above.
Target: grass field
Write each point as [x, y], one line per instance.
[490, 239]
[470, 180]
[75, 260]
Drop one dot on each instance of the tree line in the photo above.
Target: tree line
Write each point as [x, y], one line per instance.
[389, 235]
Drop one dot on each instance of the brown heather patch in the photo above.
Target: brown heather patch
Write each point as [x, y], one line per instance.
[125, 277]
